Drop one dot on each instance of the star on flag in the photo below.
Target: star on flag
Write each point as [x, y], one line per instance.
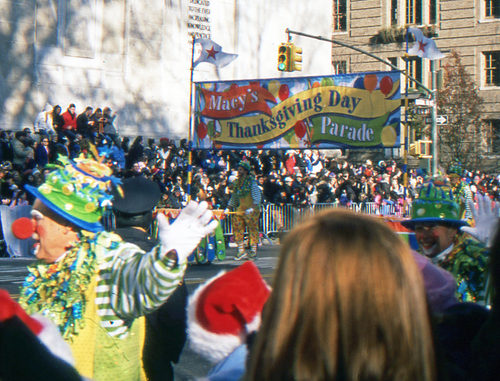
[424, 47]
[212, 53]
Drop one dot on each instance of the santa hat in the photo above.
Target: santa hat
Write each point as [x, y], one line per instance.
[224, 310]
[43, 328]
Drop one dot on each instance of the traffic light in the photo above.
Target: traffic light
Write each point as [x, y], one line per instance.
[295, 58]
[284, 57]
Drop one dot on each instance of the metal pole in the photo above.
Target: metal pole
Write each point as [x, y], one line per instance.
[361, 51]
[434, 124]
[191, 126]
[406, 129]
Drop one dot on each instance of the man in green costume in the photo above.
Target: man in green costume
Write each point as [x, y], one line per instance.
[448, 241]
[93, 285]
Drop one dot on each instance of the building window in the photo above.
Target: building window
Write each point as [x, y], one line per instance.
[495, 136]
[433, 11]
[339, 67]
[414, 71]
[414, 12]
[340, 15]
[394, 12]
[492, 8]
[492, 68]
[393, 61]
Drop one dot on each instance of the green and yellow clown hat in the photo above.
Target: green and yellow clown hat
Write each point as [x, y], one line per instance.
[246, 165]
[78, 191]
[435, 204]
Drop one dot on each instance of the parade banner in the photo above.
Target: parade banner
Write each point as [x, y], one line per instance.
[359, 110]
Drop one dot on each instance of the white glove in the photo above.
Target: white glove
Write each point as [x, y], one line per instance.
[485, 218]
[249, 211]
[185, 233]
[226, 211]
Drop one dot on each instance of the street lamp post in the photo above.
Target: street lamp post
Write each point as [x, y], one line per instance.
[434, 122]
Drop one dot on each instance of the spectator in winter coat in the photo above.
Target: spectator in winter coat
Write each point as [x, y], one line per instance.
[42, 152]
[22, 150]
[290, 162]
[98, 121]
[108, 122]
[57, 119]
[345, 188]
[84, 123]
[271, 189]
[136, 152]
[69, 126]
[43, 121]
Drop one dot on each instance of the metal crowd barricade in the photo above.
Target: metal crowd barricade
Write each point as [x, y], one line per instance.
[276, 218]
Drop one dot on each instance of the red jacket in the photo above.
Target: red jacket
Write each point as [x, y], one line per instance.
[69, 121]
[290, 164]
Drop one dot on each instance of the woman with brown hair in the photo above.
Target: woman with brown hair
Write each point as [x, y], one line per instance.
[348, 303]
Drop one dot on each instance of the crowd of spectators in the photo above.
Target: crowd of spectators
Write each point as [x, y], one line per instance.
[300, 178]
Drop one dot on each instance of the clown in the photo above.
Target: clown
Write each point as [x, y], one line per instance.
[246, 199]
[90, 283]
[435, 219]
[461, 190]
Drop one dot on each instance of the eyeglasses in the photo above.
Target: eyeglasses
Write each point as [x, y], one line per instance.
[35, 214]
[425, 227]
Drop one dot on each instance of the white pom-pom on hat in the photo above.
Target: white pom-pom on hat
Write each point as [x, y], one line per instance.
[224, 310]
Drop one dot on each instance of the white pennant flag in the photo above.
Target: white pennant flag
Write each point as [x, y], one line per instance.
[424, 47]
[212, 53]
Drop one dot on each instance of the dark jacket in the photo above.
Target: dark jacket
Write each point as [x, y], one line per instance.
[41, 155]
[82, 125]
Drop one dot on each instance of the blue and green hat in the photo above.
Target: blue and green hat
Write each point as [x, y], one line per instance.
[435, 204]
[78, 191]
[455, 169]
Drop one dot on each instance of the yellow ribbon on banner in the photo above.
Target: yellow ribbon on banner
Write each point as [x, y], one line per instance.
[345, 102]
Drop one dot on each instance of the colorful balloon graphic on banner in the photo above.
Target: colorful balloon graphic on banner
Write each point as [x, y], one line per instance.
[300, 129]
[386, 85]
[359, 83]
[388, 136]
[284, 92]
[370, 82]
[274, 87]
[202, 130]
[327, 82]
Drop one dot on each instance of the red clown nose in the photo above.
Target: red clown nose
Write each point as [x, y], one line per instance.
[22, 228]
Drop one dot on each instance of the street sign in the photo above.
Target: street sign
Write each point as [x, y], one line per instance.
[423, 110]
[440, 119]
[424, 102]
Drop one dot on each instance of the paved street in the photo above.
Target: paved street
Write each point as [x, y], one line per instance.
[191, 366]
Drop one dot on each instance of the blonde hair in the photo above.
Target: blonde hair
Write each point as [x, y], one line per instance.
[348, 303]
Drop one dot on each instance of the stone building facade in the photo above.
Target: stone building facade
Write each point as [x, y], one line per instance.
[135, 55]
[470, 27]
